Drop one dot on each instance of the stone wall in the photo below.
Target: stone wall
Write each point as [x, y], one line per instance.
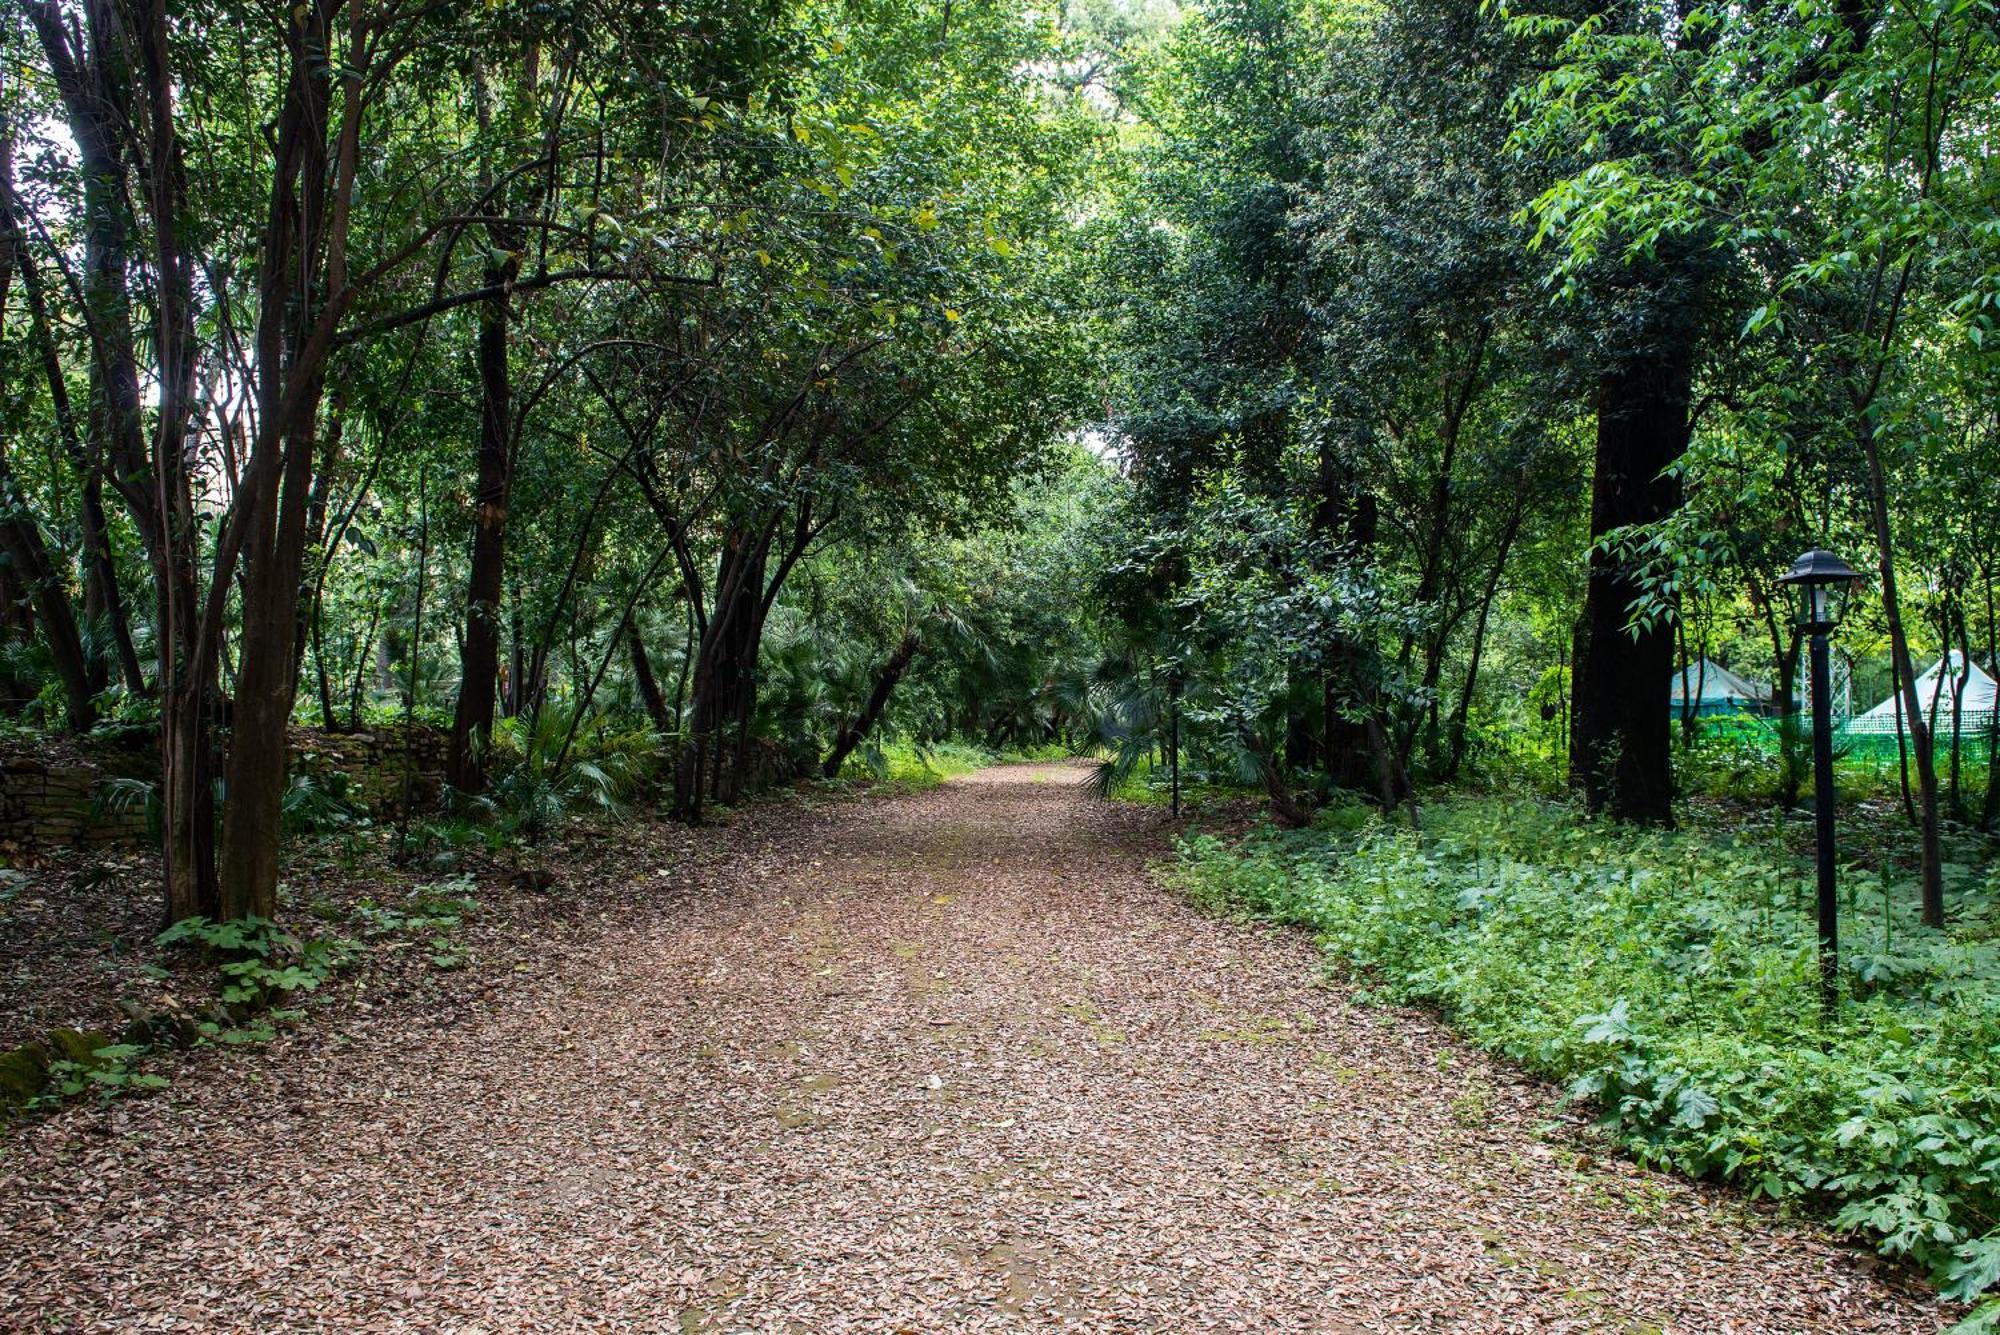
[69, 794]
[380, 766]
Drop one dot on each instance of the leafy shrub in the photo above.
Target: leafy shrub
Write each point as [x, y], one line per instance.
[1670, 980]
[319, 804]
[108, 1072]
[551, 766]
[262, 966]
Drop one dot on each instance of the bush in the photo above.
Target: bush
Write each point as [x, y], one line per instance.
[1670, 981]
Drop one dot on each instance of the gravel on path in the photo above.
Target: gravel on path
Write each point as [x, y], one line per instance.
[947, 1062]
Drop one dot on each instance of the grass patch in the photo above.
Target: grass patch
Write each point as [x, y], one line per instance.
[912, 767]
[1669, 981]
[1150, 783]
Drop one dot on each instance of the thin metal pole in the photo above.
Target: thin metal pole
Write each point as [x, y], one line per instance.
[1829, 908]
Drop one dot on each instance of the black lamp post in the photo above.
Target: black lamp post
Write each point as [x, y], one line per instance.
[1824, 582]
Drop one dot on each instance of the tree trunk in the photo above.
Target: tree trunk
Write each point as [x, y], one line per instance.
[21, 541]
[302, 252]
[717, 667]
[1931, 867]
[479, 659]
[1462, 711]
[20, 533]
[648, 684]
[1621, 734]
[1989, 811]
[1791, 738]
[265, 689]
[1286, 809]
[855, 732]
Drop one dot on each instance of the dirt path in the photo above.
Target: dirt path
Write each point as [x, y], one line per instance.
[958, 1067]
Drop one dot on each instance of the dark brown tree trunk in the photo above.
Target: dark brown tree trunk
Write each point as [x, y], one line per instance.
[857, 731]
[21, 541]
[1791, 739]
[1621, 735]
[1989, 810]
[265, 689]
[303, 251]
[1286, 809]
[717, 667]
[20, 533]
[647, 684]
[479, 660]
[1346, 514]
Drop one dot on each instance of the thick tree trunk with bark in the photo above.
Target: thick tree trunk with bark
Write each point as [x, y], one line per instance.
[1620, 742]
[265, 689]
[857, 731]
[718, 668]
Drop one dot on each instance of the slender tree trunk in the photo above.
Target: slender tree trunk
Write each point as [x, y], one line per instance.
[362, 661]
[647, 684]
[857, 731]
[1958, 707]
[689, 641]
[265, 689]
[1931, 863]
[21, 541]
[1463, 710]
[718, 658]
[1902, 743]
[20, 534]
[517, 650]
[1285, 807]
[1989, 812]
[102, 598]
[472, 718]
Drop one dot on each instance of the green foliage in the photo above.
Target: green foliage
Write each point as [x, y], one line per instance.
[433, 910]
[1669, 982]
[320, 804]
[110, 1070]
[914, 767]
[556, 764]
[261, 967]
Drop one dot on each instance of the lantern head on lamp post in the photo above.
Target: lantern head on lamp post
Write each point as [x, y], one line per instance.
[1824, 583]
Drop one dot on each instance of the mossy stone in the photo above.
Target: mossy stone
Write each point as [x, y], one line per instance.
[78, 1045]
[24, 1073]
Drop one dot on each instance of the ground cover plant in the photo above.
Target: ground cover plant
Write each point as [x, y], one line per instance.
[1668, 981]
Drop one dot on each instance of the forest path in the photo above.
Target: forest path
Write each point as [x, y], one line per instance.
[953, 1064]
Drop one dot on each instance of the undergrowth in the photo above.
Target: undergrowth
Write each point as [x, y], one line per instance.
[913, 766]
[1668, 980]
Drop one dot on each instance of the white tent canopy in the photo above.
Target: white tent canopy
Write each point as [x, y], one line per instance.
[1714, 688]
[1937, 690]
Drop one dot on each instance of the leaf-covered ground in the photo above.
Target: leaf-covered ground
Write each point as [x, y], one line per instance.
[946, 1062]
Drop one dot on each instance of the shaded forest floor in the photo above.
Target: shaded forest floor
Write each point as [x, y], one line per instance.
[945, 1062]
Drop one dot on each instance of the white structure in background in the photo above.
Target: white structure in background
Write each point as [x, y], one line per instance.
[1937, 696]
[1715, 690]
